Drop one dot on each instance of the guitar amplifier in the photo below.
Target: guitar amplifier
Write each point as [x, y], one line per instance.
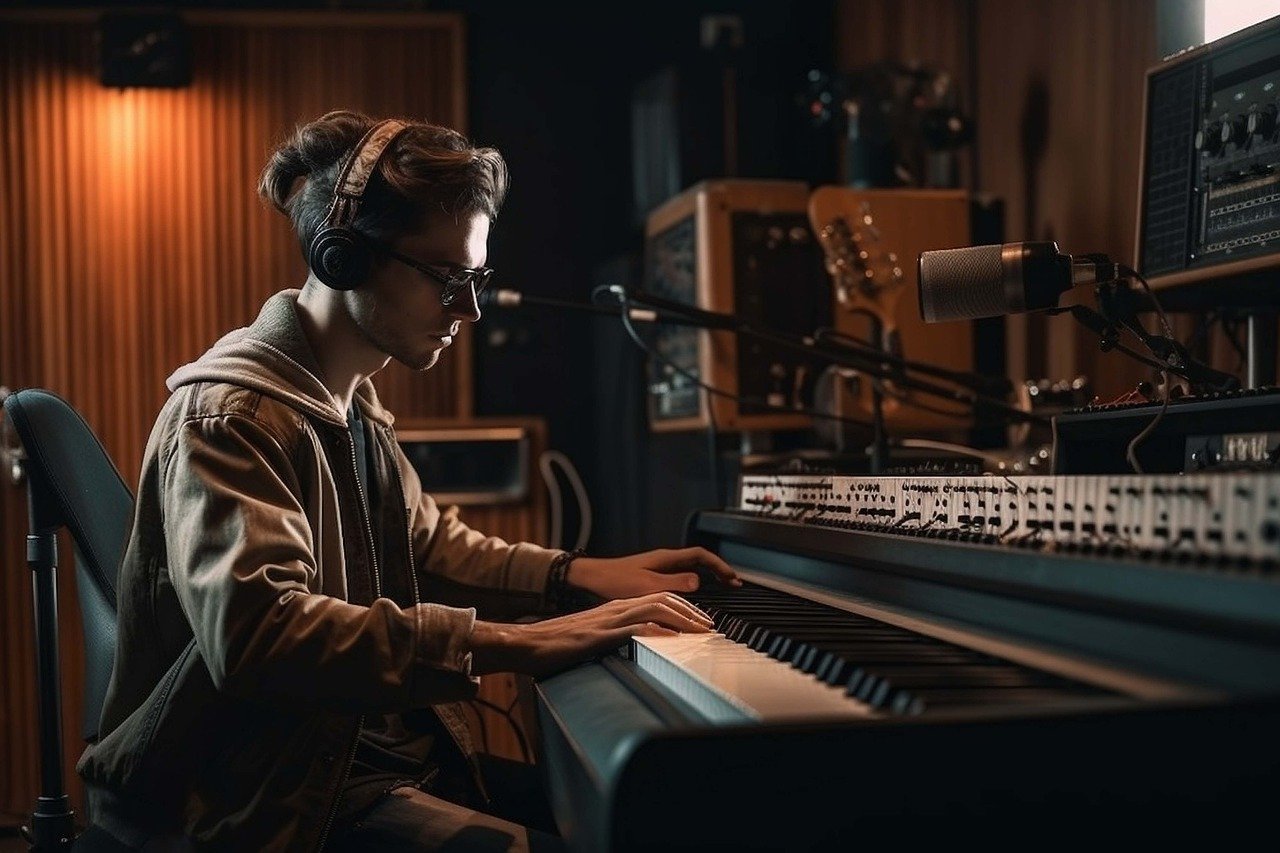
[742, 247]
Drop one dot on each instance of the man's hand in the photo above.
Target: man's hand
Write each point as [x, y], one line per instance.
[665, 569]
[541, 648]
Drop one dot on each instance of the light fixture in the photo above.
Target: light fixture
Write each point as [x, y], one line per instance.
[151, 49]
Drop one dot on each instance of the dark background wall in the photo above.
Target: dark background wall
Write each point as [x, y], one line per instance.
[554, 93]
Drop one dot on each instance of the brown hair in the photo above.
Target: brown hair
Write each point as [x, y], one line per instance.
[428, 168]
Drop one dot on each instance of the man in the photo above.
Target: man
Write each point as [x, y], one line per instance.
[296, 615]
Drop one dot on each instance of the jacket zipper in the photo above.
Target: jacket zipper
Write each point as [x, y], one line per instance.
[346, 772]
[364, 517]
[377, 593]
[417, 599]
[408, 528]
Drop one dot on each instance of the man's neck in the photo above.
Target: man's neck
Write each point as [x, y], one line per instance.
[345, 357]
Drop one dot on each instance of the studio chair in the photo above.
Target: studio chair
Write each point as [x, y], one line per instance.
[71, 483]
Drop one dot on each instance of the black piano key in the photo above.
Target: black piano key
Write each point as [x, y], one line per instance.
[839, 672]
[804, 657]
[876, 695]
[907, 703]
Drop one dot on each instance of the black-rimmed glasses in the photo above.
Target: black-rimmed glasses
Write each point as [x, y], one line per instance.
[453, 281]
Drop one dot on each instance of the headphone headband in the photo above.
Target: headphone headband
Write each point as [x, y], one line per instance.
[338, 255]
[355, 173]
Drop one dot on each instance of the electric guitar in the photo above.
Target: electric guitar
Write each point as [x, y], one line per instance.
[868, 280]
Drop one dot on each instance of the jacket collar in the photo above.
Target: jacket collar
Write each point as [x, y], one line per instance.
[273, 355]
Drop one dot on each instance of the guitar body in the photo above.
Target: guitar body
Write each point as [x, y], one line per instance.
[872, 302]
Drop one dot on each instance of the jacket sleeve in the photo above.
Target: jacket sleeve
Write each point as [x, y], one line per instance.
[241, 562]
[459, 566]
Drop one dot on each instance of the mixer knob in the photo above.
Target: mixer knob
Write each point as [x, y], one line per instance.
[1235, 131]
[1261, 122]
[1209, 138]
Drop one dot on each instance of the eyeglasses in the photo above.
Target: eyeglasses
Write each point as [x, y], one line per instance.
[453, 282]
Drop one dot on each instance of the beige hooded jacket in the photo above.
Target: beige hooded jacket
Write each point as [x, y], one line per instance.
[263, 611]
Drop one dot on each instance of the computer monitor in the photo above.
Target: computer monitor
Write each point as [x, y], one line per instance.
[1209, 192]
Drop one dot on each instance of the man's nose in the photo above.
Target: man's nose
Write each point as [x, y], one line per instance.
[467, 305]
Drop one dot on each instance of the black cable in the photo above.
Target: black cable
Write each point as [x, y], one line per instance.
[907, 400]
[482, 724]
[1164, 318]
[1131, 450]
[996, 385]
[515, 727]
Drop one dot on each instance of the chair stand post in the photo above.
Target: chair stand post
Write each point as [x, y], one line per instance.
[53, 821]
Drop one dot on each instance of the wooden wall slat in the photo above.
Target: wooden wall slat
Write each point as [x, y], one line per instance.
[131, 237]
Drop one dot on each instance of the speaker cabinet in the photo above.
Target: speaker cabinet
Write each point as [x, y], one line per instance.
[741, 247]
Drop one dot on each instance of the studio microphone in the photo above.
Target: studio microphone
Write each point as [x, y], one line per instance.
[991, 281]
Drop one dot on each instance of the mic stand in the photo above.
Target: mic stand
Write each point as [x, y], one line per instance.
[860, 357]
[1118, 309]
[975, 382]
[879, 448]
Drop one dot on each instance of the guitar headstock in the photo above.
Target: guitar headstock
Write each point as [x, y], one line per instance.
[866, 274]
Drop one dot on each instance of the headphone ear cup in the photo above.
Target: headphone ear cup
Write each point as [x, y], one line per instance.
[340, 258]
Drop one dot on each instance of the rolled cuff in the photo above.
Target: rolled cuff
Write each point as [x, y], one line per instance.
[442, 654]
[528, 568]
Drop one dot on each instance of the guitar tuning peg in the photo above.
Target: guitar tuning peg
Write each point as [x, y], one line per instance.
[893, 259]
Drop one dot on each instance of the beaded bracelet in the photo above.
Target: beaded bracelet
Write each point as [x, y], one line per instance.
[559, 595]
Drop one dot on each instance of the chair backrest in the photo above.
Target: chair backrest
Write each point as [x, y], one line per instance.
[73, 483]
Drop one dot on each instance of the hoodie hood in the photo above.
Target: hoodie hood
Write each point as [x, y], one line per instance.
[274, 357]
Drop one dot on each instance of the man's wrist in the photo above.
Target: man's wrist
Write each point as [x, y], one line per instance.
[560, 588]
[578, 574]
[493, 648]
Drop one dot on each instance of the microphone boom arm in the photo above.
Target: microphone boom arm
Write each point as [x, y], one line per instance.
[861, 357]
[1118, 308]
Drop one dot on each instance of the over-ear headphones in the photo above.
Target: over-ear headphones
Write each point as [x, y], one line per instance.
[340, 256]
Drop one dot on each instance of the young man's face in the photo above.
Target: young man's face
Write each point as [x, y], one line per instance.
[399, 310]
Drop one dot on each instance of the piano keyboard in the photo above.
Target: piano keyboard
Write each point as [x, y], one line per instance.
[776, 657]
[915, 690]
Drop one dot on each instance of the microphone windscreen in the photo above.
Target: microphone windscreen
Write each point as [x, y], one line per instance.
[501, 297]
[962, 284]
